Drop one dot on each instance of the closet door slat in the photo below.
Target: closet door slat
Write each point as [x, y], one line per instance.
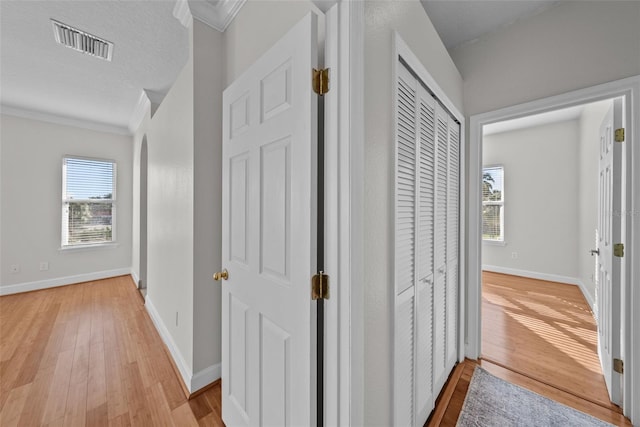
[405, 182]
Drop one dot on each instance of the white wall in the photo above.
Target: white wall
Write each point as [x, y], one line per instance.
[257, 26]
[572, 45]
[31, 203]
[411, 21]
[184, 139]
[135, 228]
[588, 153]
[207, 252]
[541, 199]
[170, 213]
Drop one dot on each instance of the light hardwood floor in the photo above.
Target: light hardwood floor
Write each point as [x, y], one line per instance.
[88, 354]
[539, 335]
[544, 330]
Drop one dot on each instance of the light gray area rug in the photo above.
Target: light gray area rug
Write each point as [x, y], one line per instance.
[492, 402]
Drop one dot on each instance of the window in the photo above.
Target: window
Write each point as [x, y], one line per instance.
[493, 204]
[88, 201]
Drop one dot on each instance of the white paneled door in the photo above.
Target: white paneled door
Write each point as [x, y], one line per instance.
[269, 216]
[609, 266]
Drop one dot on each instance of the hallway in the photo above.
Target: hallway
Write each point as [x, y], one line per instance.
[88, 354]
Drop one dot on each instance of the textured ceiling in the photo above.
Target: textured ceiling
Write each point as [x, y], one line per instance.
[150, 49]
[460, 21]
[36, 74]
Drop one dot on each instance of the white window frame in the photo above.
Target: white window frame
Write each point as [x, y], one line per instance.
[500, 240]
[64, 230]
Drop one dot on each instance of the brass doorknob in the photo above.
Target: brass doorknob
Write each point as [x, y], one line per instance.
[221, 275]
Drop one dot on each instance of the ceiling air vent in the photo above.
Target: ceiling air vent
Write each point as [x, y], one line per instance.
[81, 41]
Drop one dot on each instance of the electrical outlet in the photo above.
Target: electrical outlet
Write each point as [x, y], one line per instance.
[514, 255]
[15, 268]
[44, 266]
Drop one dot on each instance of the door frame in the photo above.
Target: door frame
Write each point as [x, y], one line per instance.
[344, 209]
[629, 90]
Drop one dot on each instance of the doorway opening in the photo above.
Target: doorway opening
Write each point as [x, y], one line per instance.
[628, 91]
[539, 226]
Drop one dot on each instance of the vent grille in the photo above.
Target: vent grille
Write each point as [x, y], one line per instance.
[81, 41]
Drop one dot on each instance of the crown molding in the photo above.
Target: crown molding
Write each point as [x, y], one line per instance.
[42, 116]
[182, 13]
[139, 112]
[216, 14]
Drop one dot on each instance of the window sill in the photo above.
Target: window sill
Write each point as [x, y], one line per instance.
[495, 242]
[96, 246]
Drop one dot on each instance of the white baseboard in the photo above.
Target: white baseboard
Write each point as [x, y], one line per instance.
[135, 277]
[205, 377]
[184, 369]
[192, 382]
[587, 295]
[543, 276]
[62, 281]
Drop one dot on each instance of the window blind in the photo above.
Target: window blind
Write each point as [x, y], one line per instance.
[493, 203]
[88, 201]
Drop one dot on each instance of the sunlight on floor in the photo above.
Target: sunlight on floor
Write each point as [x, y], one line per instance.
[581, 353]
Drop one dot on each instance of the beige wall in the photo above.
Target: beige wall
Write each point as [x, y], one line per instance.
[207, 122]
[184, 212]
[573, 45]
[541, 198]
[31, 153]
[170, 212]
[411, 21]
[257, 26]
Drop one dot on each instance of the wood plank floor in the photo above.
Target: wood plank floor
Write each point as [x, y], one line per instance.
[541, 336]
[88, 354]
[544, 330]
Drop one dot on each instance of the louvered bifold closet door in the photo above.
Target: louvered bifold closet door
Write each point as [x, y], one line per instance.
[440, 371]
[405, 248]
[453, 232]
[424, 259]
[426, 249]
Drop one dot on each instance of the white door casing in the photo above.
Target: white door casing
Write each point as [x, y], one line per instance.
[609, 267]
[629, 90]
[269, 235]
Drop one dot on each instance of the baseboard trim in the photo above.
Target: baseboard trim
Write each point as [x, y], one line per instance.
[587, 295]
[135, 277]
[531, 274]
[191, 383]
[205, 377]
[543, 276]
[62, 281]
[181, 364]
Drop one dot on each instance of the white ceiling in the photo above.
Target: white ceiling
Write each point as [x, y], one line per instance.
[461, 21]
[150, 48]
[40, 76]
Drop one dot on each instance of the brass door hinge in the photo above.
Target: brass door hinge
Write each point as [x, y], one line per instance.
[320, 286]
[619, 135]
[618, 366]
[618, 250]
[321, 81]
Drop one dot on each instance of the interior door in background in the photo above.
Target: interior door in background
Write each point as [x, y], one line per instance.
[609, 266]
